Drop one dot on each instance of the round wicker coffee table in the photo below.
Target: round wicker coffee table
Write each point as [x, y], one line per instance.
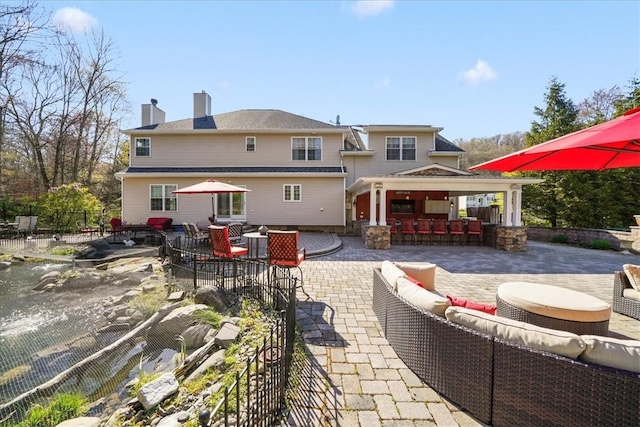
[553, 307]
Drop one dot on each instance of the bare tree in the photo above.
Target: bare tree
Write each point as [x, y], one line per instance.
[599, 107]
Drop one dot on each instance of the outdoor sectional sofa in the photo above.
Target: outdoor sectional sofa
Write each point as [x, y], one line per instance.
[621, 303]
[499, 382]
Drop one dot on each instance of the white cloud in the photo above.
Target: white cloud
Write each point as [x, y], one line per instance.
[383, 84]
[371, 7]
[73, 19]
[480, 73]
[223, 85]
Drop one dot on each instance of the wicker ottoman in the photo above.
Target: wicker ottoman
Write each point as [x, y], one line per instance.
[553, 307]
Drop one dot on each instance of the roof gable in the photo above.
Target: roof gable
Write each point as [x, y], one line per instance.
[434, 169]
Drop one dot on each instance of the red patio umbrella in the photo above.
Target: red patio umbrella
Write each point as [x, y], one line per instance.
[609, 145]
[211, 186]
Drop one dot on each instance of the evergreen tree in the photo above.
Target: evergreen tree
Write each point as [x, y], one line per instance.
[559, 117]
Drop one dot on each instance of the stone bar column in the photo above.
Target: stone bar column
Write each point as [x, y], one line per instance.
[377, 237]
[512, 239]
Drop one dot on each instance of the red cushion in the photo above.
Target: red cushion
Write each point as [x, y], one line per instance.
[461, 302]
[414, 280]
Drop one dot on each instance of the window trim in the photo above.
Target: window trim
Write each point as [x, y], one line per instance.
[135, 146]
[306, 148]
[255, 144]
[401, 159]
[292, 192]
[164, 207]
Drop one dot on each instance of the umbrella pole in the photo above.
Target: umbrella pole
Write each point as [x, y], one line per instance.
[212, 218]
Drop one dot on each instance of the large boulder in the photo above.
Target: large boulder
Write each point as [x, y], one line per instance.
[177, 321]
[213, 297]
[155, 392]
[195, 336]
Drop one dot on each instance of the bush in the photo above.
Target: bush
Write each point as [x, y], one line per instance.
[63, 207]
[559, 239]
[601, 244]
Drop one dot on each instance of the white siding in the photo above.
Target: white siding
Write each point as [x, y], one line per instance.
[322, 201]
[230, 150]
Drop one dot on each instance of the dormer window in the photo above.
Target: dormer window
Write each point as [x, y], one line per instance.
[143, 147]
[401, 148]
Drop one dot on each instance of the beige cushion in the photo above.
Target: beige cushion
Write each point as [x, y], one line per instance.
[522, 333]
[430, 301]
[613, 352]
[391, 273]
[555, 302]
[631, 294]
[425, 273]
[633, 274]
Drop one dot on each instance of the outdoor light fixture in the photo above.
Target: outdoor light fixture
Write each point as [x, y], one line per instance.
[452, 203]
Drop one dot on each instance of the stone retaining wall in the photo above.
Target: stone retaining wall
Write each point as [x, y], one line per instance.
[581, 236]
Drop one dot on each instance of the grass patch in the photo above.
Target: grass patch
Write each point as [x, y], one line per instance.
[63, 407]
[209, 317]
[63, 250]
[148, 303]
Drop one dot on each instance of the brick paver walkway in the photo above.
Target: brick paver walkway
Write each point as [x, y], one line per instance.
[354, 378]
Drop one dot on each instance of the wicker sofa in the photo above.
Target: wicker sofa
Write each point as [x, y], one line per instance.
[501, 383]
[622, 305]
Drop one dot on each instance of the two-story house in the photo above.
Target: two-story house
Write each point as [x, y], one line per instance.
[302, 173]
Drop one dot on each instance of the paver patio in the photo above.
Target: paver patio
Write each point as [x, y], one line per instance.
[354, 378]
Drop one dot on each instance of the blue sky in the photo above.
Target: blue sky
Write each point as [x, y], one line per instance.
[475, 68]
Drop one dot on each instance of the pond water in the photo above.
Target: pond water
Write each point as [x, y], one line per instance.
[44, 333]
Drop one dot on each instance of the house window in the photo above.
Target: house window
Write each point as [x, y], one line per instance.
[292, 193]
[162, 199]
[143, 147]
[401, 148]
[251, 143]
[306, 148]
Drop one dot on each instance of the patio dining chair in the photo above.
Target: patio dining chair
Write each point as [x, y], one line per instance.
[393, 230]
[198, 235]
[439, 228]
[223, 249]
[456, 228]
[474, 228]
[235, 232]
[407, 228]
[283, 251]
[424, 229]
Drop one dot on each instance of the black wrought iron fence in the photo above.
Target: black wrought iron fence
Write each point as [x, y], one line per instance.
[257, 396]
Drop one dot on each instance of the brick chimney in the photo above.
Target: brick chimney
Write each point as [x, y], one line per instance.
[151, 114]
[201, 105]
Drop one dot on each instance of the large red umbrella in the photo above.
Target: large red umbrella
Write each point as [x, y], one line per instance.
[211, 186]
[609, 145]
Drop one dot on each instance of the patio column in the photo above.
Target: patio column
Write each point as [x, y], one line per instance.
[517, 206]
[383, 207]
[508, 208]
[372, 205]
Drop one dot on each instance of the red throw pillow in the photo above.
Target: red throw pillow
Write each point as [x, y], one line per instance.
[461, 302]
[414, 280]
[457, 302]
[486, 308]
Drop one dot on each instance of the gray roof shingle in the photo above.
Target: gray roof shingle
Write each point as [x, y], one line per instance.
[245, 119]
[443, 144]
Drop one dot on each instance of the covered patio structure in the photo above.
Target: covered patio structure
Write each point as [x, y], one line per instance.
[432, 191]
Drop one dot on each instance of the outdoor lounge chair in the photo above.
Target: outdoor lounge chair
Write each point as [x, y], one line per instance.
[23, 225]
